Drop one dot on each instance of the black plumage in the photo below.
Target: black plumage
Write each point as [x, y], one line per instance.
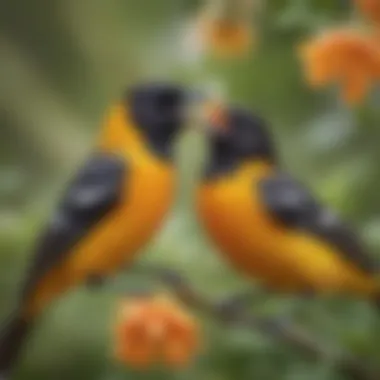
[292, 205]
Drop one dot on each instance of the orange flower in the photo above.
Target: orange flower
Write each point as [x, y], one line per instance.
[225, 28]
[151, 330]
[343, 57]
[226, 38]
[370, 9]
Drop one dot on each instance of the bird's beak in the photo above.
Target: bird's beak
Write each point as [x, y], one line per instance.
[207, 114]
[215, 117]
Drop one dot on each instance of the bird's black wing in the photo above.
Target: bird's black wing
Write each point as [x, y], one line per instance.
[292, 205]
[93, 193]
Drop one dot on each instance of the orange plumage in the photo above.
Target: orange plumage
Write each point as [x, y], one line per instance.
[109, 211]
[233, 215]
[269, 225]
[114, 242]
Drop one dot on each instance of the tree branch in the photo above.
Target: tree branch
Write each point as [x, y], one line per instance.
[351, 367]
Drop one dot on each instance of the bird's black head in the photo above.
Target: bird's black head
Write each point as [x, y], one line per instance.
[158, 110]
[238, 136]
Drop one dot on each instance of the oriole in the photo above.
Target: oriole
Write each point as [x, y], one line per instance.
[115, 203]
[267, 224]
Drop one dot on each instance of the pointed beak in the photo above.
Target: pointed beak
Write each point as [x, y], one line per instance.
[215, 117]
[207, 114]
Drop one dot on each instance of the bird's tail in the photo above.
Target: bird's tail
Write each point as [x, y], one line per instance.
[12, 337]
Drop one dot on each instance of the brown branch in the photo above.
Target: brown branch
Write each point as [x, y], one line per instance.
[351, 367]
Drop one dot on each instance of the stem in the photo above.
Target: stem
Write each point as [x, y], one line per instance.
[351, 367]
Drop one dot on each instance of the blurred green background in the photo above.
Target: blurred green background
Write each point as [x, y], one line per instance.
[63, 62]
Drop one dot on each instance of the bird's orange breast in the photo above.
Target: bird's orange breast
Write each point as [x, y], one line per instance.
[235, 220]
[146, 198]
[114, 241]
[234, 217]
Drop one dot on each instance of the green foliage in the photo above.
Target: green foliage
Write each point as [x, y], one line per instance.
[63, 61]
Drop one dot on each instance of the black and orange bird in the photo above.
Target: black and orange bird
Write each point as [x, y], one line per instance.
[267, 224]
[111, 208]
